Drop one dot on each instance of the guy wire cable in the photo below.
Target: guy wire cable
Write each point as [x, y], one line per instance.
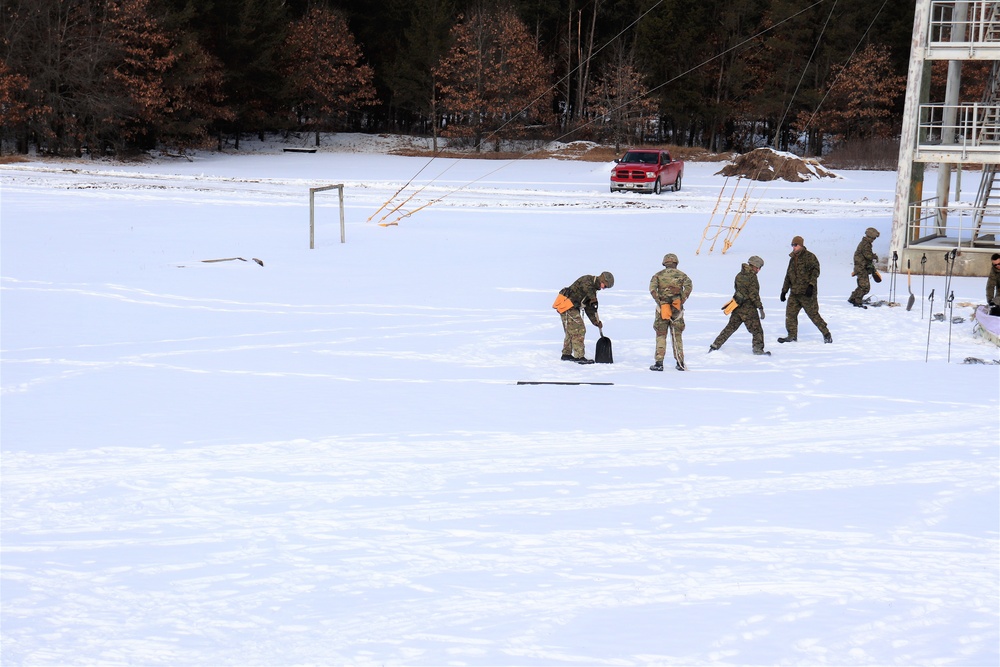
[734, 232]
[651, 90]
[679, 76]
[849, 59]
[791, 99]
[511, 119]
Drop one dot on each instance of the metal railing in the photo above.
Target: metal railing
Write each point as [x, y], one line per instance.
[959, 125]
[963, 23]
[955, 226]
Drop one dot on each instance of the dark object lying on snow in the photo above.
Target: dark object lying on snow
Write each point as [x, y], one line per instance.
[230, 259]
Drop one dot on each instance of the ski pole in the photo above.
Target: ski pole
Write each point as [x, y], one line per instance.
[929, 320]
[951, 310]
[949, 260]
[923, 277]
[892, 281]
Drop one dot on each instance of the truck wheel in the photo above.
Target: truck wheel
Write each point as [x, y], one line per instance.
[677, 184]
[656, 187]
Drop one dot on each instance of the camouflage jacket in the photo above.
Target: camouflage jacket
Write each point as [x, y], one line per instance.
[583, 294]
[803, 270]
[747, 288]
[993, 287]
[864, 258]
[670, 284]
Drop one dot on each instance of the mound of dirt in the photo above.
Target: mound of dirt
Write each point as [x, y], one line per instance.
[766, 164]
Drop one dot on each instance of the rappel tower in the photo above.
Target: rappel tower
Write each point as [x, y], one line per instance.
[961, 136]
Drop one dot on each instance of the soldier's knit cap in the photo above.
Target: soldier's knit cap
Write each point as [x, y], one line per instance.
[797, 240]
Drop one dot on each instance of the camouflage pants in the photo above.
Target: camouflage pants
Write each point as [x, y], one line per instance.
[864, 286]
[572, 322]
[674, 327]
[810, 304]
[746, 315]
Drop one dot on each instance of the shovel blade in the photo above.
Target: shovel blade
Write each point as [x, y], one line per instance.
[603, 354]
[910, 301]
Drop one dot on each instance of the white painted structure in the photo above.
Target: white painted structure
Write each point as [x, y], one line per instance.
[961, 136]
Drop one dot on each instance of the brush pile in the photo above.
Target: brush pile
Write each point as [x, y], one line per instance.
[766, 164]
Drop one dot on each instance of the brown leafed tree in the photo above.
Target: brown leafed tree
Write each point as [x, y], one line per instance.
[493, 81]
[140, 55]
[619, 100]
[860, 99]
[94, 67]
[195, 101]
[323, 65]
[18, 106]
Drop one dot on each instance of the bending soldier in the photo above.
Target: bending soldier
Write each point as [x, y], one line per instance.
[864, 266]
[582, 294]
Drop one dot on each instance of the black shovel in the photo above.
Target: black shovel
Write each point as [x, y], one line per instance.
[603, 355]
[912, 299]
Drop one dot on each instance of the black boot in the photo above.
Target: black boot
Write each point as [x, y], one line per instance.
[657, 366]
[680, 366]
[567, 357]
[827, 338]
[787, 339]
[584, 360]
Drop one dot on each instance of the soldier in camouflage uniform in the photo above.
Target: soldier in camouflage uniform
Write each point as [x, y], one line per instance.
[669, 286]
[993, 285]
[750, 310]
[864, 266]
[800, 281]
[583, 294]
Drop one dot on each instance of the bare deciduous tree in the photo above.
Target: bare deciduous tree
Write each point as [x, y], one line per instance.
[619, 100]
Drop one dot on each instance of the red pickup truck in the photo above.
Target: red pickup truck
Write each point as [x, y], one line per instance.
[646, 170]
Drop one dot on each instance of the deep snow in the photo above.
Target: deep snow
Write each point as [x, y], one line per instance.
[327, 460]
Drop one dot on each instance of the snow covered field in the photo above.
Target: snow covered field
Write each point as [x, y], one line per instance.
[327, 459]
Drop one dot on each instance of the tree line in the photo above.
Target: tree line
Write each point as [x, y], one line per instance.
[118, 76]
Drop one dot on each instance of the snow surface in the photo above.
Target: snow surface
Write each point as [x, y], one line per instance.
[327, 459]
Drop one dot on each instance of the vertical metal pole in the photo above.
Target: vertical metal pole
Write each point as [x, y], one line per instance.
[312, 212]
[312, 219]
[341, 189]
[951, 318]
[927, 352]
[909, 175]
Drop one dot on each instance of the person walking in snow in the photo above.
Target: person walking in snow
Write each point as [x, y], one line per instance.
[670, 288]
[582, 294]
[800, 290]
[864, 266]
[993, 286]
[749, 310]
